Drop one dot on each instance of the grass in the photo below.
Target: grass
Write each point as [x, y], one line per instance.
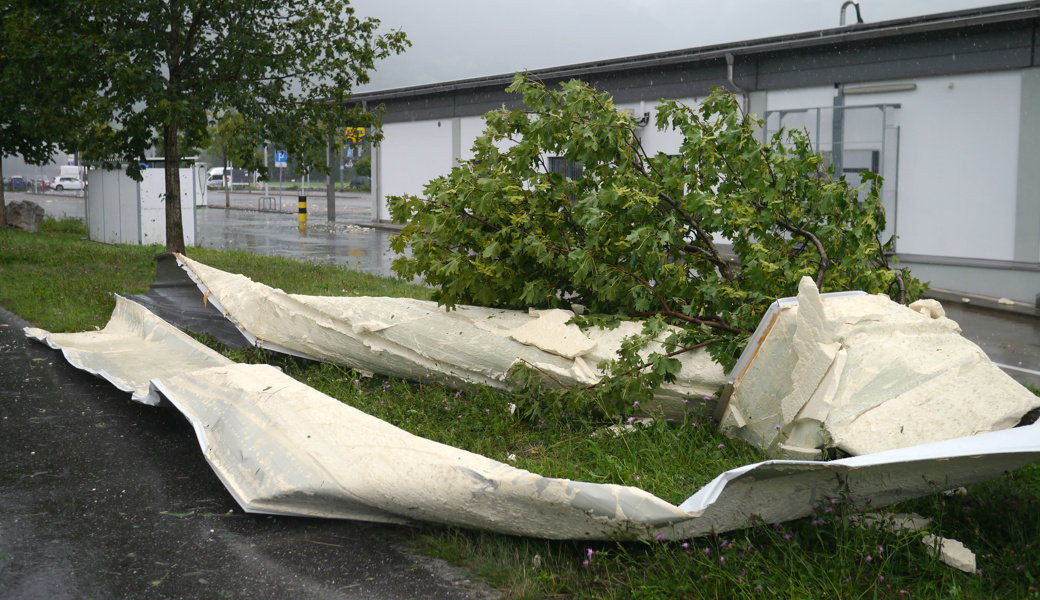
[62, 283]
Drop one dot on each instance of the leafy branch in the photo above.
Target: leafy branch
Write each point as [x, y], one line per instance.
[641, 235]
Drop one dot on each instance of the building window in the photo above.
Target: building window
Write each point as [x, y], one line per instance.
[569, 170]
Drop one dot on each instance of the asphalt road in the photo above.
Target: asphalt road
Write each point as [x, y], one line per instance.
[101, 497]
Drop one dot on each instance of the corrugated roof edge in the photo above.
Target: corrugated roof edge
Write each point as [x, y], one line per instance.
[855, 32]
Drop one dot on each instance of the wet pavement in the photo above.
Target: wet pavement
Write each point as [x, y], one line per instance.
[58, 205]
[1010, 340]
[359, 247]
[351, 241]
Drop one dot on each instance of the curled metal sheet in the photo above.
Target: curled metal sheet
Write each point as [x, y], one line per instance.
[864, 374]
[415, 339]
[281, 447]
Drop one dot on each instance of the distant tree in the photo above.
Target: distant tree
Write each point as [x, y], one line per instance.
[363, 167]
[234, 141]
[43, 86]
[171, 66]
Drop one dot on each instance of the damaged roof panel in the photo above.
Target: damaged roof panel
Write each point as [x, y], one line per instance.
[863, 374]
[281, 447]
[418, 340]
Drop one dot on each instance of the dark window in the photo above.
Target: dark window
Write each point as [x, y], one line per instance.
[569, 170]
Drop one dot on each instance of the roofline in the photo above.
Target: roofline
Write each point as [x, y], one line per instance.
[850, 33]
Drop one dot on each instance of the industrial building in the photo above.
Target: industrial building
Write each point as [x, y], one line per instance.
[945, 107]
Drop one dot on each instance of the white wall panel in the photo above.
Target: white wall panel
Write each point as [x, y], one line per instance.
[412, 154]
[654, 141]
[958, 165]
[153, 207]
[800, 98]
[472, 128]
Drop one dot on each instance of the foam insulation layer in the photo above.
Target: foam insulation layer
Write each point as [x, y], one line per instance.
[281, 447]
[864, 374]
[417, 340]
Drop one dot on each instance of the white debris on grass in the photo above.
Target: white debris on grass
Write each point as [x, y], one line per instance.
[863, 374]
[949, 551]
[283, 448]
[414, 339]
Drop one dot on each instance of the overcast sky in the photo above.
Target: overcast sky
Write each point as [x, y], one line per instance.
[459, 39]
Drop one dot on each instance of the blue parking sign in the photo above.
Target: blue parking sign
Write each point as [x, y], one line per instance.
[281, 157]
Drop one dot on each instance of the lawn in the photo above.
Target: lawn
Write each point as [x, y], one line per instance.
[60, 282]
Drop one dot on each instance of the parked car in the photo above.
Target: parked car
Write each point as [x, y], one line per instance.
[16, 183]
[67, 183]
[359, 182]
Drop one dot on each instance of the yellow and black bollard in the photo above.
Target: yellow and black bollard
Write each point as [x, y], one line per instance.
[303, 214]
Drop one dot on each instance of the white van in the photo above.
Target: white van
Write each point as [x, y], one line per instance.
[76, 172]
[215, 178]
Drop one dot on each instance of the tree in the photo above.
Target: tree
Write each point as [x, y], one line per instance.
[232, 138]
[636, 235]
[173, 66]
[42, 98]
[363, 167]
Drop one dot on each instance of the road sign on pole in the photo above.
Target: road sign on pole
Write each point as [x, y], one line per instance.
[354, 135]
[281, 158]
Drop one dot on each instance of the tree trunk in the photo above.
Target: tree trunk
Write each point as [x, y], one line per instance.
[3, 202]
[330, 183]
[227, 180]
[174, 224]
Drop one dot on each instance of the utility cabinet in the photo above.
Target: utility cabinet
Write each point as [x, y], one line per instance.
[123, 211]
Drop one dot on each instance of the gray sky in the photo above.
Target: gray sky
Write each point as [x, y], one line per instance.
[459, 39]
